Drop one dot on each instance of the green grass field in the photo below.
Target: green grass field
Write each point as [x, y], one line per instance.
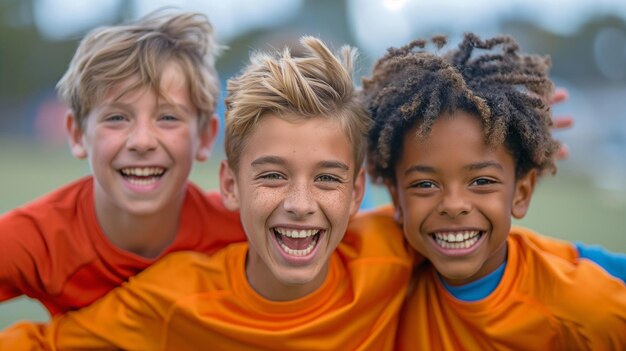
[564, 206]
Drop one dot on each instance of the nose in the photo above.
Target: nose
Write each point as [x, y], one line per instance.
[142, 137]
[300, 201]
[454, 203]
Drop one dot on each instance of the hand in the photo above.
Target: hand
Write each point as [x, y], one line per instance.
[561, 122]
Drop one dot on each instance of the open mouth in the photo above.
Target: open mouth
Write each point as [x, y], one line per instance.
[457, 240]
[297, 242]
[142, 175]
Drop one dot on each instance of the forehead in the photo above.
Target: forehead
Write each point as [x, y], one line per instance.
[456, 139]
[303, 140]
[173, 87]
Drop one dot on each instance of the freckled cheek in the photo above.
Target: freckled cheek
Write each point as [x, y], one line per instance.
[336, 206]
[265, 201]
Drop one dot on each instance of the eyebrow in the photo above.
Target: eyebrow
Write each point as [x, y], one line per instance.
[275, 160]
[419, 168]
[333, 164]
[175, 106]
[160, 106]
[470, 167]
[483, 165]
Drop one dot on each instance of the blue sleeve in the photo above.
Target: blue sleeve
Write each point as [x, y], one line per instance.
[613, 263]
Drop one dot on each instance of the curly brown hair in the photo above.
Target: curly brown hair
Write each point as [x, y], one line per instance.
[506, 89]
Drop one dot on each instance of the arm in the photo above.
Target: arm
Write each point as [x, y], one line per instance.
[130, 317]
[126, 318]
[613, 263]
[20, 252]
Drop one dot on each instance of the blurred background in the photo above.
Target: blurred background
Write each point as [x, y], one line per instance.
[585, 201]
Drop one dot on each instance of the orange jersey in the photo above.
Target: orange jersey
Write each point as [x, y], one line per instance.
[543, 302]
[189, 301]
[53, 249]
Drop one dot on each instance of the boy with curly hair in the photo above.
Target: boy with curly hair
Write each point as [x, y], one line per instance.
[460, 140]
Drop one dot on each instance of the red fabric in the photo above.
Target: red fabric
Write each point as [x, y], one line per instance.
[53, 249]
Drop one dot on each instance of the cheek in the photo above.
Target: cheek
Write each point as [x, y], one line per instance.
[259, 203]
[336, 205]
[498, 205]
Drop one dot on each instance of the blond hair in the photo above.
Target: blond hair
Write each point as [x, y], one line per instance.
[109, 55]
[318, 84]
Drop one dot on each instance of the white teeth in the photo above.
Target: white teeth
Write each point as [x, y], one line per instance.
[457, 240]
[299, 252]
[457, 245]
[142, 181]
[293, 233]
[142, 171]
[456, 236]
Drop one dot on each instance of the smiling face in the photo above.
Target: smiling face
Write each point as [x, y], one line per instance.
[456, 195]
[141, 147]
[296, 185]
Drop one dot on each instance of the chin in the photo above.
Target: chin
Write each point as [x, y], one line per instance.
[299, 277]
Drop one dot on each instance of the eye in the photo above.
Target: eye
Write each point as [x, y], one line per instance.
[328, 178]
[169, 118]
[115, 118]
[272, 176]
[483, 181]
[423, 184]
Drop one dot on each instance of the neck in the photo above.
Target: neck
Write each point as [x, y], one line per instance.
[497, 259]
[144, 235]
[265, 283]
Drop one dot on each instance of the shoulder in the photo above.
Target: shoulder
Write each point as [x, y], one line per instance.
[374, 233]
[545, 244]
[60, 202]
[48, 218]
[577, 293]
[210, 207]
[189, 269]
[377, 219]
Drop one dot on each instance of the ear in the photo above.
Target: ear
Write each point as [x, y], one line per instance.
[524, 188]
[75, 136]
[398, 217]
[228, 186]
[208, 135]
[359, 192]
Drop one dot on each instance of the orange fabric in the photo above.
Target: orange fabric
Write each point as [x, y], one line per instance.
[192, 301]
[544, 302]
[53, 249]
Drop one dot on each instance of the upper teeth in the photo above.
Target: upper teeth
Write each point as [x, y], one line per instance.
[142, 171]
[457, 236]
[294, 233]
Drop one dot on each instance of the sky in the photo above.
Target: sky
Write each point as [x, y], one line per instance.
[375, 23]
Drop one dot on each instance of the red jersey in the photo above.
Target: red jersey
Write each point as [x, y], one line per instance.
[53, 249]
